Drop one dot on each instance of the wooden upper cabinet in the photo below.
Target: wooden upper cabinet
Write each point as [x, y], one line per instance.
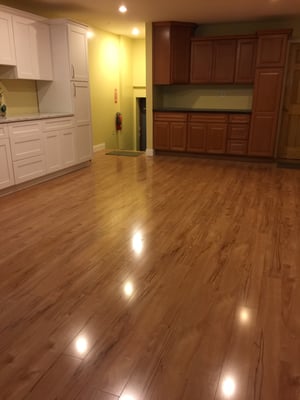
[213, 61]
[171, 52]
[271, 51]
[201, 61]
[245, 60]
[224, 61]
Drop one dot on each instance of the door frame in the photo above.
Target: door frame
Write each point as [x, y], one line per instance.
[290, 43]
[138, 91]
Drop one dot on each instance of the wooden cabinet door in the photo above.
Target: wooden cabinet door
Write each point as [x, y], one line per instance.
[216, 138]
[262, 136]
[201, 61]
[224, 61]
[161, 135]
[171, 52]
[265, 110]
[196, 137]
[68, 149]
[267, 89]
[52, 151]
[161, 53]
[245, 61]
[180, 52]
[238, 131]
[271, 50]
[178, 136]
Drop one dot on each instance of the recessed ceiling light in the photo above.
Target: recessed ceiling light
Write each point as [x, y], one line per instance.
[90, 34]
[123, 9]
[135, 31]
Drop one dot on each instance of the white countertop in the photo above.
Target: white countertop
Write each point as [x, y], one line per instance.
[30, 117]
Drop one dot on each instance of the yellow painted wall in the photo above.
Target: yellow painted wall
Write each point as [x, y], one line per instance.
[104, 79]
[111, 60]
[139, 62]
[20, 96]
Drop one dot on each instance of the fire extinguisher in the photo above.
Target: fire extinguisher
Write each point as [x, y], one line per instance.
[118, 121]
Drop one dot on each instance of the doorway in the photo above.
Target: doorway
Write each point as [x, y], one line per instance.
[142, 137]
[289, 139]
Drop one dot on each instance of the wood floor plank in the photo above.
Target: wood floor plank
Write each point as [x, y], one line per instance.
[151, 260]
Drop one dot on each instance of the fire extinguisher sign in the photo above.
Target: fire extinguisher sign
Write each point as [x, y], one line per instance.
[116, 96]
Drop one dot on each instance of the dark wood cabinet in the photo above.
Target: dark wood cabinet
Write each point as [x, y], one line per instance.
[216, 138]
[245, 60]
[213, 61]
[171, 52]
[196, 137]
[272, 46]
[238, 133]
[224, 61]
[161, 135]
[207, 133]
[201, 61]
[265, 110]
[169, 131]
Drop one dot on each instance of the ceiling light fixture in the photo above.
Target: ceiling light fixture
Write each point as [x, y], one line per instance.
[122, 9]
[90, 34]
[135, 31]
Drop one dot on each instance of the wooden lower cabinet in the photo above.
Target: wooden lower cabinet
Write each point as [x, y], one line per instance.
[207, 133]
[169, 131]
[216, 138]
[202, 132]
[263, 132]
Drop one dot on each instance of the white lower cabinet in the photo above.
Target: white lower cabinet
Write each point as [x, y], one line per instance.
[84, 143]
[6, 169]
[26, 140]
[60, 147]
[29, 168]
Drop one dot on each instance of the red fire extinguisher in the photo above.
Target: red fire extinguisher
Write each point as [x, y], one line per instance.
[118, 121]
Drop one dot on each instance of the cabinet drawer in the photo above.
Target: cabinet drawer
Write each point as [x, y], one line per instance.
[30, 168]
[57, 124]
[25, 146]
[239, 118]
[170, 116]
[3, 131]
[238, 131]
[237, 146]
[208, 117]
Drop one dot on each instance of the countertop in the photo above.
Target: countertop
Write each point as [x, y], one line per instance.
[32, 117]
[207, 110]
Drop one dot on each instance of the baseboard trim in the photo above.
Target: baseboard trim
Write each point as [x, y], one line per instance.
[149, 152]
[98, 147]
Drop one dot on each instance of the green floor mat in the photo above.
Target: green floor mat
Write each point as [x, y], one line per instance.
[124, 153]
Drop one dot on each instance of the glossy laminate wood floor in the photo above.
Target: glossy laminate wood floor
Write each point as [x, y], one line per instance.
[164, 278]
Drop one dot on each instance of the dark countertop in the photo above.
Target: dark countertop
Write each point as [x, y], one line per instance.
[206, 110]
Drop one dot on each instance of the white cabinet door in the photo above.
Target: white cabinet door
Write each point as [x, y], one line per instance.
[84, 144]
[33, 49]
[57, 138]
[78, 53]
[7, 53]
[26, 50]
[68, 153]
[43, 45]
[6, 170]
[53, 151]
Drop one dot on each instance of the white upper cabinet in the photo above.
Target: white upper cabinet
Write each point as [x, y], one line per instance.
[43, 43]
[78, 53]
[7, 53]
[33, 50]
[26, 49]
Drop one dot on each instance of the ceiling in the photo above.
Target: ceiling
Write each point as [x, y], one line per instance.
[103, 14]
